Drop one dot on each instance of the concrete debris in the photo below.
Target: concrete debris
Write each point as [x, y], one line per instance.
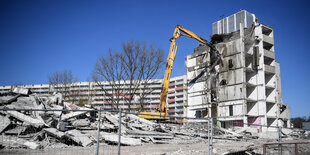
[54, 132]
[113, 138]
[81, 123]
[72, 114]
[14, 142]
[8, 99]
[79, 138]
[5, 122]
[16, 131]
[24, 118]
[23, 91]
[32, 145]
[147, 133]
[58, 129]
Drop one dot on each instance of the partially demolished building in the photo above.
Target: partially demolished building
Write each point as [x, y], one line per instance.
[245, 87]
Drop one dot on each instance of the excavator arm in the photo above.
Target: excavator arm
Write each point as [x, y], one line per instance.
[162, 109]
[172, 52]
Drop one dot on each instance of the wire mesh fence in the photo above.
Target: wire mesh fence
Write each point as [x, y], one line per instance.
[293, 148]
[100, 131]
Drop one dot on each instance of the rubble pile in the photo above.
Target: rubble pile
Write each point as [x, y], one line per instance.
[45, 127]
[72, 125]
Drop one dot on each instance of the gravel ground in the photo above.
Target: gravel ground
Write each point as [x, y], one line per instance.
[220, 147]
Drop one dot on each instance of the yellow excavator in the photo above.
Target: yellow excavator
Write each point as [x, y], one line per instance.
[162, 109]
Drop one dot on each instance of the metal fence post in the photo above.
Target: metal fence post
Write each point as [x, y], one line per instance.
[119, 131]
[98, 132]
[280, 132]
[210, 136]
[280, 139]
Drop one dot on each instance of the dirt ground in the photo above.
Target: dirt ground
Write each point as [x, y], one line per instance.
[220, 147]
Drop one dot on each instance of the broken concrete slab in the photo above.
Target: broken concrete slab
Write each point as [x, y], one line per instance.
[105, 125]
[24, 118]
[9, 141]
[149, 133]
[57, 107]
[158, 141]
[113, 138]
[78, 137]
[16, 131]
[75, 113]
[147, 136]
[72, 114]
[115, 122]
[32, 145]
[8, 99]
[81, 123]
[23, 91]
[4, 122]
[54, 132]
[144, 121]
[111, 119]
[24, 103]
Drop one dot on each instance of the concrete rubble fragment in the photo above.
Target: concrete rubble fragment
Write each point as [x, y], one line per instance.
[113, 138]
[16, 131]
[15, 142]
[73, 114]
[5, 122]
[81, 123]
[8, 99]
[78, 137]
[54, 132]
[22, 117]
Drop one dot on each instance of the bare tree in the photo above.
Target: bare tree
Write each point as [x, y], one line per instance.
[108, 75]
[63, 82]
[151, 62]
[141, 63]
[125, 72]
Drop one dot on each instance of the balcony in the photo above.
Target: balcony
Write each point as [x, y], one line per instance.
[179, 104]
[270, 69]
[156, 91]
[107, 102]
[179, 88]
[269, 54]
[107, 107]
[169, 95]
[155, 96]
[268, 39]
[179, 110]
[179, 99]
[155, 101]
[171, 100]
[171, 91]
[171, 111]
[153, 106]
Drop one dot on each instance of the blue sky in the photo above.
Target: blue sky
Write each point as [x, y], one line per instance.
[40, 37]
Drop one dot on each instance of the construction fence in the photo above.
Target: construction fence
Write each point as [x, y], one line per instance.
[100, 131]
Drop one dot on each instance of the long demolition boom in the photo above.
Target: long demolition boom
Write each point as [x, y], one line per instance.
[172, 52]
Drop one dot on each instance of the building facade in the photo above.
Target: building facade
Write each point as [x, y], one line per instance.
[245, 88]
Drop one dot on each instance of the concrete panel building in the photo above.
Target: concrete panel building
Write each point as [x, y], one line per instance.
[245, 88]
